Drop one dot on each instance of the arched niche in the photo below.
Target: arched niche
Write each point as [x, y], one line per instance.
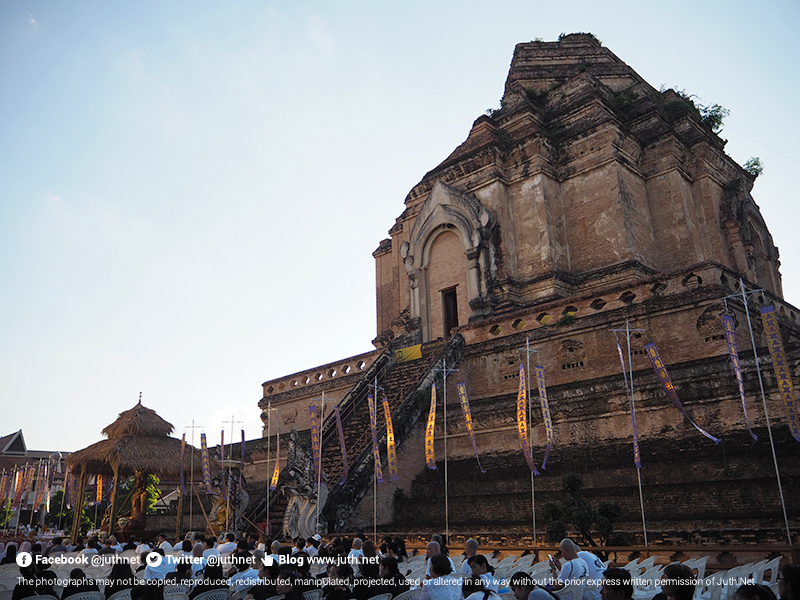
[446, 216]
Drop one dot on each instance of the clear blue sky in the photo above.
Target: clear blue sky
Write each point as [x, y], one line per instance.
[190, 192]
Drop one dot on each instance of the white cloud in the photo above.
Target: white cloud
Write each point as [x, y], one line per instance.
[53, 199]
[32, 22]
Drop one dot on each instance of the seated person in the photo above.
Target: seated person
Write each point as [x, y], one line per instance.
[120, 578]
[474, 588]
[210, 579]
[617, 584]
[78, 582]
[439, 586]
[525, 588]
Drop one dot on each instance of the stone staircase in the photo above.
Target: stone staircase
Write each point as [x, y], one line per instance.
[407, 388]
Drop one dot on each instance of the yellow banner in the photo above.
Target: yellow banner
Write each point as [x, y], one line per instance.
[276, 473]
[522, 421]
[391, 452]
[315, 445]
[99, 497]
[410, 353]
[781, 367]
[430, 456]
[462, 397]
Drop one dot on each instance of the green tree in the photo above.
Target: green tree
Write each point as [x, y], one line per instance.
[578, 512]
[66, 517]
[754, 166]
[5, 513]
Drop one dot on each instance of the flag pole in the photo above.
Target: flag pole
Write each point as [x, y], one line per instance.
[629, 385]
[741, 296]
[527, 350]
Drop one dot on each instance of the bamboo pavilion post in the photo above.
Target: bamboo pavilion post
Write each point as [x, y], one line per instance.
[112, 522]
[78, 508]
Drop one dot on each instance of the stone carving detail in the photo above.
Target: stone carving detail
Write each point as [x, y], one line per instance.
[300, 518]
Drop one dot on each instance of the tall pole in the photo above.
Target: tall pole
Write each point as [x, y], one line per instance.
[445, 371]
[228, 502]
[743, 300]
[628, 332]
[375, 472]
[527, 350]
[269, 472]
[319, 470]
[191, 476]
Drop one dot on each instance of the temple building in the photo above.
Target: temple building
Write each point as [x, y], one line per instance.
[588, 202]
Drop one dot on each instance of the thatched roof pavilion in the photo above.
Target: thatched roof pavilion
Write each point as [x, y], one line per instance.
[138, 444]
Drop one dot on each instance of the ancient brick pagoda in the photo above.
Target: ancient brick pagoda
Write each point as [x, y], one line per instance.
[587, 199]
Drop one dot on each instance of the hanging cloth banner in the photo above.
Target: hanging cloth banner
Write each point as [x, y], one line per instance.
[430, 455]
[68, 488]
[206, 466]
[19, 476]
[462, 397]
[99, 491]
[277, 471]
[222, 462]
[376, 454]
[669, 389]
[548, 420]
[3, 486]
[23, 479]
[27, 483]
[315, 441]
[637, 456]
[391, 452]
[341, 443]
[183, 451]
[522, 421]
[781, 368]
[730, 340]
[241, 460]
[241, 464]
[40, 487]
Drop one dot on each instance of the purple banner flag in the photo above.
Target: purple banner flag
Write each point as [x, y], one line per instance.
[462, 397]
[548, 421]
[376, 454]
[522, 421]
[730, 339]
[669, 389]
[781, 367]
[637, 456]
[340, 430]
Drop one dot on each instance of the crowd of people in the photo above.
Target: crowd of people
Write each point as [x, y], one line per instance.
[258, 569]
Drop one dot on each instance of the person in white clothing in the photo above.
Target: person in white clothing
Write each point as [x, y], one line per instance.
[209, 550]
[161, 542]
[152, 571]
[574, 573]
[470, 550]
[431, 550]
[481, 568]
[440, 586]
[356, 552]
[595, 576]
[229, 546]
